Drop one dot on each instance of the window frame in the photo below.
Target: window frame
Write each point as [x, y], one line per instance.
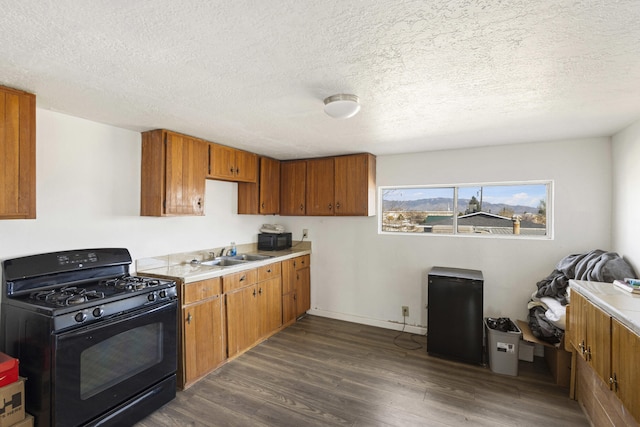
[549, 210]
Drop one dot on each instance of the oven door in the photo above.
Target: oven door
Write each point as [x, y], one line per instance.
[102, 365]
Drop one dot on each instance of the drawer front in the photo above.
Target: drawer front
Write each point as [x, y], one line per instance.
[270, 271]
[299, 262]
[198, 291]
[239, 280]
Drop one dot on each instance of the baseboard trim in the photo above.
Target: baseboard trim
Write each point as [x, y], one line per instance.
[386, 324]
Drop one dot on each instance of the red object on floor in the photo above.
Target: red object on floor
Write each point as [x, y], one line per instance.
[8, 370]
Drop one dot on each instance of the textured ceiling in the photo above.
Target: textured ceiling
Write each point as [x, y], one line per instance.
[430, 74]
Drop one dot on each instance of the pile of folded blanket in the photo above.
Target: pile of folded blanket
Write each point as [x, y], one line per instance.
[547, 307]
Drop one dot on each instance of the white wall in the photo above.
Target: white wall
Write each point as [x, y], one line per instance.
[626, 194]
[360, 275]
[88, 190]
[88, 195]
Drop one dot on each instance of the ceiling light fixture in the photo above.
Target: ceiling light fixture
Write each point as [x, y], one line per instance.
[341, 106]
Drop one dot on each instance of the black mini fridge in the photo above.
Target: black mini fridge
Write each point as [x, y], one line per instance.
[454, 314]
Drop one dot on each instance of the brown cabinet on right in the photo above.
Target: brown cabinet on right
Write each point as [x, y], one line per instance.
[608, 383]
[18, 148]
[342, 185]
[590, 333]
[625, 359]
[296, 288]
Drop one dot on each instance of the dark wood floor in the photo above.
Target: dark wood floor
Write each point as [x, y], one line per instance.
[325, 372]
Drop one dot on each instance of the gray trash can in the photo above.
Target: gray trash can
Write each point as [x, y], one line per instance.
[503, 336]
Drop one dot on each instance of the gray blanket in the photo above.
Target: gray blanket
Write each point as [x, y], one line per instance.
[597, 266]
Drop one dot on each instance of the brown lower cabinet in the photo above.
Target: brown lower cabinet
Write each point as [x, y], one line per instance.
[225, 316]
[625, 375]
[608, 380]
[296, 287]
[253, 306]
[202, 330]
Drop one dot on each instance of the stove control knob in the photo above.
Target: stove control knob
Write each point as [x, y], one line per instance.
[163, 294]
[97, 312]
[151, 297]
[80, 317]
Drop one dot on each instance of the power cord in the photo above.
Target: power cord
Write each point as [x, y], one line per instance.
[411, 336]
[301, 240]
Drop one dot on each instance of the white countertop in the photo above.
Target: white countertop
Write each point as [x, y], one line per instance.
[621, 305]
[178, 266]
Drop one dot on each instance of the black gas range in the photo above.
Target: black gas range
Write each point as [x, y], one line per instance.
[89, 336]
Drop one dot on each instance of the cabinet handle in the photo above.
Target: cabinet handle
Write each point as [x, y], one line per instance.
[613, 381]
[254, 292]
[330, 206]
[338, 205]
[199, 203]
[260, 291]
[243, 278]
[262, 205]
[189, 317]
[297, 276]
[302, 262]
[237, 171]
[269, 271]
[581, 347]
[301, 207]
[588, 354]
[294, 264]
[231, 170]
[295, 297]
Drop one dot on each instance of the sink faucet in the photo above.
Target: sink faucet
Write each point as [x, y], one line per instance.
[222, 251]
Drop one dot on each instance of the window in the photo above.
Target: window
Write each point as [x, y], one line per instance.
[520, 209]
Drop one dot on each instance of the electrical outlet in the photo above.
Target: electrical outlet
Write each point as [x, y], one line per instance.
[305, 233]
[405, 311]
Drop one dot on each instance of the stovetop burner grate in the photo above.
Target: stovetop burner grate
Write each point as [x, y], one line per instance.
[66, 296]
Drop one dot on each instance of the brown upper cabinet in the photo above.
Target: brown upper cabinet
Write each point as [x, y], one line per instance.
[263, 196]
[230, 164]
[173, 174]
[343, 185]
[18, 148]
[293, 183]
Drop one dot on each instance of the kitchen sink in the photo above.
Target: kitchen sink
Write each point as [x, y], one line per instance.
[229, 261]
[223, 262]
[250, 257]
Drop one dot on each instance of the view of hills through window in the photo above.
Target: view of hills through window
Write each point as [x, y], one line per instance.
[509, 209]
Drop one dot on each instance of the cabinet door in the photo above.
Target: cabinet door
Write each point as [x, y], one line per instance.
[18, 154]
[320, 186]
[246, 166]
[221, 162]
[355, 185]
[269, 186]
[577, 324]
[289, 275]
[624, 367]
[293, 182]
[204, 347]
[599, 341]
[184, 175]
[270, 306]
[303, 291]
[289, 307]
[242, 319]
